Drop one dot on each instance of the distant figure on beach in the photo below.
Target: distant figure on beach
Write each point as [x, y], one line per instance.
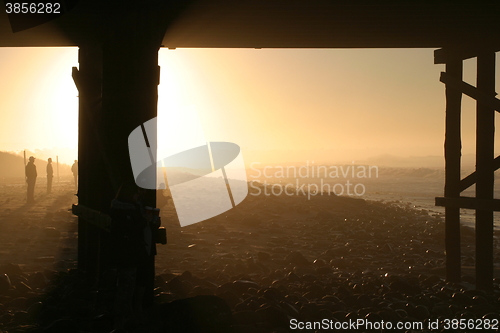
[30, 172]
[162, 195]
[74, 169]
[50, 175]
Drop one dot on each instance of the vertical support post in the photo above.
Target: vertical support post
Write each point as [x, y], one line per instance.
[118, 79]
[452, 154]
[92, 184]
[485, 171]
[130, 96]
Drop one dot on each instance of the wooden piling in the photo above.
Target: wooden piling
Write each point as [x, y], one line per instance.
[485, 138]
[483, 203]
[452, 154]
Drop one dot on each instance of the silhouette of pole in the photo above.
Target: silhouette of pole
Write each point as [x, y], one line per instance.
[452, 155]
[57, 165]
[117, 87]
[25, 182]
[88, 82]
[485, 171]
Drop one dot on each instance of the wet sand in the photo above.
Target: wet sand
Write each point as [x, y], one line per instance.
[272, 259]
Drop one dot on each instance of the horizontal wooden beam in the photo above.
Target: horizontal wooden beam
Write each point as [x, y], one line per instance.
[444, 55]
[471, 179]
[93, 216]
[470, 91]
[469, 203]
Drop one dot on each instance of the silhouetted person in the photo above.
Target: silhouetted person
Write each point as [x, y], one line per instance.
[162, 195]
[132, 251]
[74, 169]
[30, 172]
[50, 175]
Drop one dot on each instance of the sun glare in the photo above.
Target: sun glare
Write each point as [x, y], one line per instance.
[60, 94]
[39, 102]
[179, 124]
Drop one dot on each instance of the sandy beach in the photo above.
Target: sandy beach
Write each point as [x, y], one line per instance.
[279, 262]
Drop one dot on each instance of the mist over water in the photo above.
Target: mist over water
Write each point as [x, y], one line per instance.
[415, 187]
[410, 181]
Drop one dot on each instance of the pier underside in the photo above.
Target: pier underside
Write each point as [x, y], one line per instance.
[118, 76]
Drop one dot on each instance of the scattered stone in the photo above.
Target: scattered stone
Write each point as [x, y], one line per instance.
[196, 314]
[263, 256]
[5, 283]
[10, 269]
[51, 232]
[178, 286]
[242, 286]
[345, 259]
[45, 259]
[62, 325]
[297, 258]
[245, 318]
[34, 310]
[22, 287]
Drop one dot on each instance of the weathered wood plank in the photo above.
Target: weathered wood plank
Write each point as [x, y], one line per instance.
[452, 155]
[471, 91]
[471, 179]
[485, 143]
[441, 56]
[469, 203]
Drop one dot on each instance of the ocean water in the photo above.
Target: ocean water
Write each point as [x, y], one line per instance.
[416, 187]
[420, 193]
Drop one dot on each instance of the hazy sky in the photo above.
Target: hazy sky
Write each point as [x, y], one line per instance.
[353, 103]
